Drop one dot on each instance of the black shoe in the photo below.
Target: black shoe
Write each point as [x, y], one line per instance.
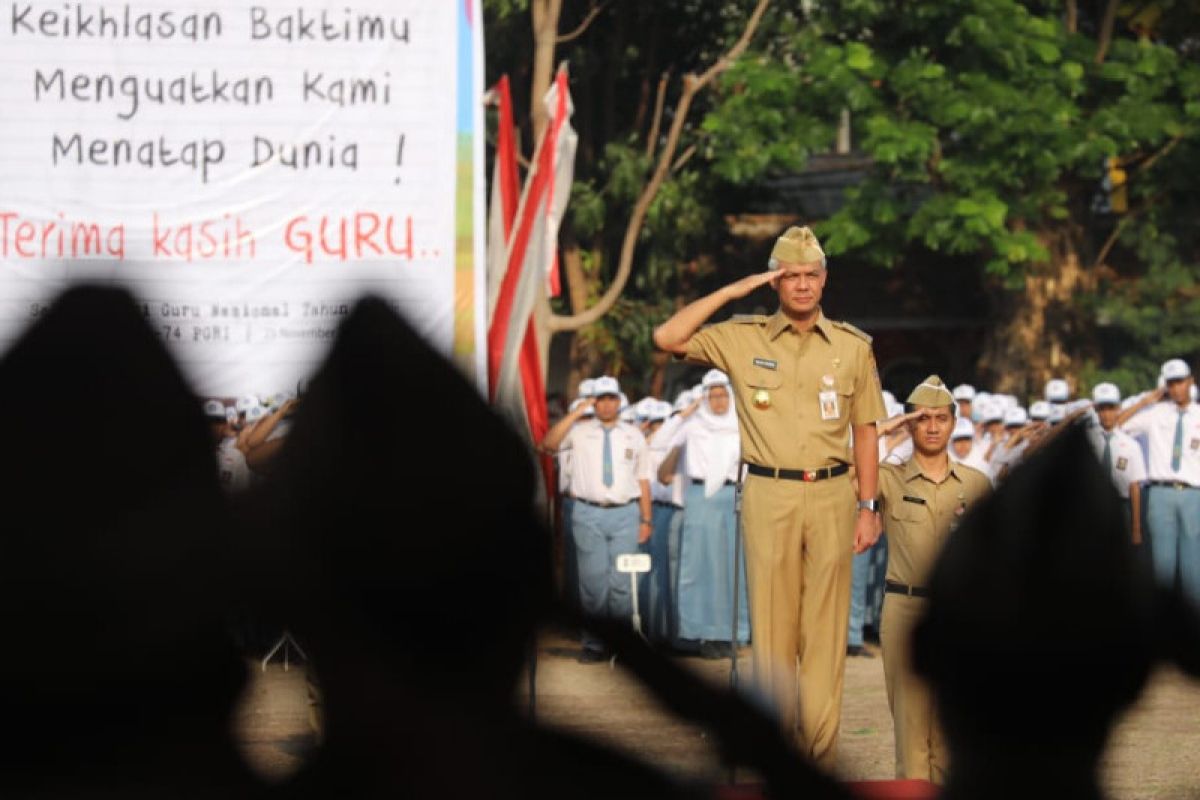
[858, 651]
[589, 656]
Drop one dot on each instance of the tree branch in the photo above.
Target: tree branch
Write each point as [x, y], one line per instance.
[659, 99]
[583, 26]
[1106, 30]
[1111, 241]
[1072, 16]
[1162, 151]
[684, 157]
[692, 85]
[1119, 228]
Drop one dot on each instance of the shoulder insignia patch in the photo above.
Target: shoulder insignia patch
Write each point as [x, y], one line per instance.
[749, 319]
[848, 328]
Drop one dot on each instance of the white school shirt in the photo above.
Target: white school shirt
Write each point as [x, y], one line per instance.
[1157, 424]
[660, 448]
[1128, 463]
[232, 469]
[630, 462]
[1004, 460]
[564, 472]
[694, 462]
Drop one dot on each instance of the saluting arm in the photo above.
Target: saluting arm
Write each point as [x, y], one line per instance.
[265, 426]
[1148, 400]
[555, 435]
[666, 470]
[886, 427]
[673, 335]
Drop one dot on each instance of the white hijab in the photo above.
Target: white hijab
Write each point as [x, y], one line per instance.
[716, 436]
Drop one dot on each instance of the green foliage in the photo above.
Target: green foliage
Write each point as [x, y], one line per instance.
[988, 125]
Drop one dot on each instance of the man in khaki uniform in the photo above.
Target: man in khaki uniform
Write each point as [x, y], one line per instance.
[922, 501]
[800, 382]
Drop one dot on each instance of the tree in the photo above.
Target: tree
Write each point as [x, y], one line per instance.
[640, 208]
[990, 125]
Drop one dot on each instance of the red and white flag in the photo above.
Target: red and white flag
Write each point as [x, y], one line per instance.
[530, 254]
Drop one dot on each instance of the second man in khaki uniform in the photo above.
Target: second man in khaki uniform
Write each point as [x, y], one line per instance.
[922, 501]
[801, 382]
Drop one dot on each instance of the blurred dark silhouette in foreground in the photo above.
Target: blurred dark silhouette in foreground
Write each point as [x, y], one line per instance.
[118, 675]
[1043, 625]
[403, 548]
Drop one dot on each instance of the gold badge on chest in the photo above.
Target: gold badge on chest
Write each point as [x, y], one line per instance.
[762, 399]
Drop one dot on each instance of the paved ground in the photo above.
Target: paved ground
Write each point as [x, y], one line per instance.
[1153, 753]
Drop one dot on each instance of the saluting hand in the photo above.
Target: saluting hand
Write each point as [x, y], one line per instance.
[748, 284]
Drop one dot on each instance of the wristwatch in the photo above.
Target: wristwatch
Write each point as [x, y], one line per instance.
[869, 505]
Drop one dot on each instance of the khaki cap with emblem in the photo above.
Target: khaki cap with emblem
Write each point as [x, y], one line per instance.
[796, 246]
[931, 393]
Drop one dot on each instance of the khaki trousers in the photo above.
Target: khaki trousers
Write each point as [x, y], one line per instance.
[920, 747]
[799, 544]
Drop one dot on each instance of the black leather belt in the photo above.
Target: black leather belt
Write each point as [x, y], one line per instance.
[904, 589]
[1174, 484]
[668, 505]
[806, 475]
[604, 505]
[701, 481]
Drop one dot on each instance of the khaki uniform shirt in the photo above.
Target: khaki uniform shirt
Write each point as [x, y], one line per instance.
[779, 376]
[919, 514]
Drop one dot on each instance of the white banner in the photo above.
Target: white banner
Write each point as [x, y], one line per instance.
[248, 171]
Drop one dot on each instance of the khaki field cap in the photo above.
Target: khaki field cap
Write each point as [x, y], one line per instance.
[797, 246]
[931, 393]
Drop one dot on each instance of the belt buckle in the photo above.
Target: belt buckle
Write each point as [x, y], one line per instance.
[810, 475]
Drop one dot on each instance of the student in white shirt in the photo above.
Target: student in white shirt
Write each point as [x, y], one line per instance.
[610, 479]
[1119, 455]
[1171, 423]
[706, 449]
[232, 469]
[661, 615]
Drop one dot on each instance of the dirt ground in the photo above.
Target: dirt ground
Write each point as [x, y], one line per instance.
[1153, 753]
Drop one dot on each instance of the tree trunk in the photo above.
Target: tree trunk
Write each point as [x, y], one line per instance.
[578, 289]
[1041, 331]
[545, 36]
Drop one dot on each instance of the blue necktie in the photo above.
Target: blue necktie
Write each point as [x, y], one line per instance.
[1106, 459]
[608, 472]
[1177, 447]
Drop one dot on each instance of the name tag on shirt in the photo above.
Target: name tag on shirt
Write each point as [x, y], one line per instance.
[766, 363]
[917, 500]
[829, 405]
[1122, 463]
